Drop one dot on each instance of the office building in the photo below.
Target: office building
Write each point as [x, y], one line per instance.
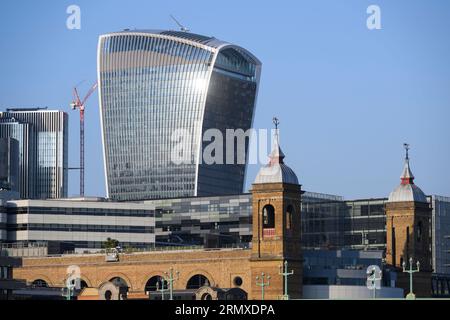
[43, 150]
[85, 223]
[210, 221]
[441, 234]
[159, 92]
[22, 132]
[440, 245]
[342, 274]
[344, 224]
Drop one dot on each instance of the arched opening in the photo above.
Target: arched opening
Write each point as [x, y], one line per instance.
[235, 294]
[289, 214]
[206, 296]
[197, 281]
[268, 216]
[268, 221]
[108, 295]
[83, 284]
[155, 282]
[119, 282]
[39, 283]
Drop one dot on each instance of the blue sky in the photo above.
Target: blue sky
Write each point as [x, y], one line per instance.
[347, 97]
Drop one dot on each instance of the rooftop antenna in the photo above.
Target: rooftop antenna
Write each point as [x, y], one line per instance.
[182, 28]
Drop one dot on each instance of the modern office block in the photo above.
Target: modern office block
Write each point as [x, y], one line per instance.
[24, 134]
[338, 224]
[159, 92]
[85, 223]
[43, 150]
[441, 234]
[210, 221]
[344, 267]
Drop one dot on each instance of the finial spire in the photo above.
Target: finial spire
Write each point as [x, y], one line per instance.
[276, 122]
[406, 146]
[407, 177]
[276, 155]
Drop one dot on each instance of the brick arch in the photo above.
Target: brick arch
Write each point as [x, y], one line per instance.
[120, 275]
[88, 282]
[41, 277]
[82, 278]
[147, 277]
[208, 275]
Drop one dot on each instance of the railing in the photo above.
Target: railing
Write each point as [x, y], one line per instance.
[25, 249]
[21, 245]
[164, 248]
[123, 250]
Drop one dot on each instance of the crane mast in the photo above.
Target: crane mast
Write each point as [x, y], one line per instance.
[80, 105]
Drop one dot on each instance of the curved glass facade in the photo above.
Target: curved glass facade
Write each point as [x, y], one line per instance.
[153, 83]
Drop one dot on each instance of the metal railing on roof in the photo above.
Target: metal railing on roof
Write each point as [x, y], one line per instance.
[161, 249]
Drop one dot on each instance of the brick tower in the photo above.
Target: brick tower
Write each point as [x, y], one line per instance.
[276, 227]
[408, 229]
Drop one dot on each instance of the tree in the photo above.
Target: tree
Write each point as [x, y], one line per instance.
[110, 243]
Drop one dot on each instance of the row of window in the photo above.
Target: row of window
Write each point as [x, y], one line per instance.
[82, 212]
[81, 228]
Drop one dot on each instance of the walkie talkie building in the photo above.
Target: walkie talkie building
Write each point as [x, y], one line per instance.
[159, 90]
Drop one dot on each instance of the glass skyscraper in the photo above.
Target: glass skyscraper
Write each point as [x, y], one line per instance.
[43, 150]
[159, 90]
[21, 132]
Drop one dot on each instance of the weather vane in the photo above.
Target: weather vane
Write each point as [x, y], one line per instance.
[276, 122]
[406, 146]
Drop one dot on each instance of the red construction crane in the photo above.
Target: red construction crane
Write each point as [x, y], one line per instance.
[77, 103]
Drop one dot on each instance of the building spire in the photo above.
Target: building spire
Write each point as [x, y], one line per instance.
[407, 176]
[276, 156]
[276, 122]
[406, 146]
